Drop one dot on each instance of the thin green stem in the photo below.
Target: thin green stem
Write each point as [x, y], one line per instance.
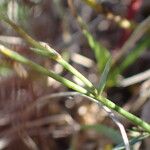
[50, 52]
[108, 103]
[89, 85]
[14, 55]
[134, 119]
[70, 68]
[54, 55]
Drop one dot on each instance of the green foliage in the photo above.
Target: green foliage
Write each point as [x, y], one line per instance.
[16, 56]
[103, 61]
[100, 52]
[102, 55]
[132, 141]
[132, 56]
[105, 130]
[104, 77]
[135, 53]
[90, 92]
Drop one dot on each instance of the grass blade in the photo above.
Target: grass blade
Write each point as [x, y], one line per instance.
[111, 133]
[132, 142]
[100, 52]
[135, 53]
[104, 76]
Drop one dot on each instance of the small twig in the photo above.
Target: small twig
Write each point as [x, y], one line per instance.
[66, 118]
[135, 79]
[143, 96]
[82, 60]
[4, 142]
[11, 40]
[120, 126]
[28, 141]
[137, 103]
[73, 10]
[44, 100]
[50, 119]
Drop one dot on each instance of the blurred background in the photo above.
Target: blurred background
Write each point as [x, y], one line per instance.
[31, 116]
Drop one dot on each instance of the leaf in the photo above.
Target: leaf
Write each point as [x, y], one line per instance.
[104, 76]
[132, 142]
[100, 52]
[132, 56]
[111, 133]
[135, 53]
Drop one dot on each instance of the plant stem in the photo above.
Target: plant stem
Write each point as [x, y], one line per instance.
[50, 52]
[57, 57]
[13, 55]
[134, 119]
[71, 69]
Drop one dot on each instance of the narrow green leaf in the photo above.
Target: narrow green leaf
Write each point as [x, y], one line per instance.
[100, 52]
[133, 55]
[132, 142]
[111, 133]
[103, 79]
